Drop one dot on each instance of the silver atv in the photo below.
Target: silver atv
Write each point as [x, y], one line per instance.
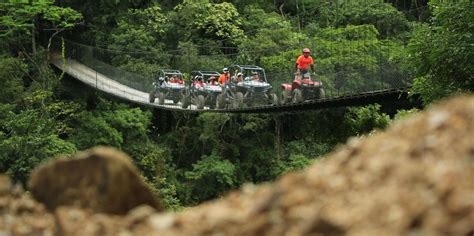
[203, 90]
[169, 84]
[248, 86]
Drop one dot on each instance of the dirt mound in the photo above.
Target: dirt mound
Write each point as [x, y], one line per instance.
[101, 179]
[20, 214]
[413, 179]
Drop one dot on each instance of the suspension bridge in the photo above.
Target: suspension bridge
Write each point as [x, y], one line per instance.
[379, 83]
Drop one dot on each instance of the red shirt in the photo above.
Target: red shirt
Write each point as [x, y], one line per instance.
[224, 78]
[198, 83]
[176, 80]
[304, 62]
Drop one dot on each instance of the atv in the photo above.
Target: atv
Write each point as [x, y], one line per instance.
[301, 89]
[203, 90]
[248, 86]
[169, 84]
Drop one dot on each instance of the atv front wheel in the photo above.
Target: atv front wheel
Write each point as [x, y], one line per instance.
[273, 99]
[321, 94]
[200, 102]
[238, 101]
[220, 101]
[285, 96]
[185, 101]
[161, 98]
[297, 96]
[175, 99]
[151, 97]
[211, 102]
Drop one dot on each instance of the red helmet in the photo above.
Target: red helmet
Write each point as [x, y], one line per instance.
[306, 50]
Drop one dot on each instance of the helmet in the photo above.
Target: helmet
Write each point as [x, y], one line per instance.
[239, 74]
[306, 50]
[196, 77]
[225, 69]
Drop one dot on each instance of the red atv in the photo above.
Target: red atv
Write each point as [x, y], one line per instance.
[300, 90]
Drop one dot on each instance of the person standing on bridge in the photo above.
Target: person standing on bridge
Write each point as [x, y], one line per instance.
[302, 65]
[225, 76]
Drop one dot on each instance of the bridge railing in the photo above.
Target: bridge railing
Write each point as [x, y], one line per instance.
[96, 59]
[137, 70]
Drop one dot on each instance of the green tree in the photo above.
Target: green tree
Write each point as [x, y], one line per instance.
[27, 139]
[23, 19]
[296, 162]
[101, 16]
[414, 10]
[135, 42]
[443, 50]
[402, 114]
[267, 34]
[11, 81]
[202, 19]
[92, 129]
[363, 120]
[139, 30]
[210, 177]
[325, 13]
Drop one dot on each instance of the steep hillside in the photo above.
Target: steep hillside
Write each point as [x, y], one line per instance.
[413, 179]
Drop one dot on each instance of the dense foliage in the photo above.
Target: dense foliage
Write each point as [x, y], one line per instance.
[190, 158]
[443, 51]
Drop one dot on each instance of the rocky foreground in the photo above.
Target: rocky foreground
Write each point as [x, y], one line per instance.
[416, 178]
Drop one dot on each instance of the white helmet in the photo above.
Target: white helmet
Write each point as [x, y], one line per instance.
[225, 69]
[239, 74]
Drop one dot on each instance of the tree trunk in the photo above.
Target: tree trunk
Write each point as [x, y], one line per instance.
[417, 7]
[33, 41]
[50, 41]
[281, 10]
[278, 137]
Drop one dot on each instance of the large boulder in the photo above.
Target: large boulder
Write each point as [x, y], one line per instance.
[20, 214]
[101, 179]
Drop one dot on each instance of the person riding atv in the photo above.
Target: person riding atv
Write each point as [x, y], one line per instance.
[303, 63]
[302, 88]
[203, 90]
[239, 92]
[225, 76]
[169, 84]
